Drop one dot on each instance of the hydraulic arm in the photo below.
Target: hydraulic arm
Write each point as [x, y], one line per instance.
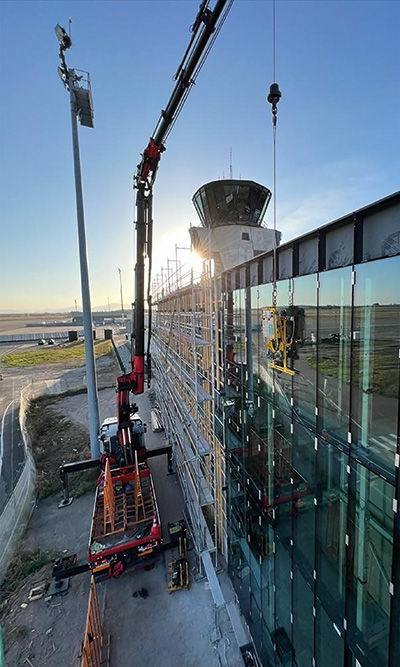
[204, 30]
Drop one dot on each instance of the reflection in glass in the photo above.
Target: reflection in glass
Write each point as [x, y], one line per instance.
[375, 361]
[329, 641]
[334, 334]
[371, 556]
[303, 620]
[310, 521]
[304, 382]
[332, 491]
[231, 202]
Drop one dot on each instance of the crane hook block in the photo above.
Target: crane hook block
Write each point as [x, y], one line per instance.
[274, 94]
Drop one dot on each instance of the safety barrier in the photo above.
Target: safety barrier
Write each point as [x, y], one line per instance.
[95, 650]
[27, 337]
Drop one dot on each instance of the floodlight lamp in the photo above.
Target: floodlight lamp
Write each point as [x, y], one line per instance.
[62, 75]
[63, 37]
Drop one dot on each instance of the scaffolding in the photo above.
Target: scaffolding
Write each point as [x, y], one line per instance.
[184, 352]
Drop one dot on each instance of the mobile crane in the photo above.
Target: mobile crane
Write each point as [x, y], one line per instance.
[126, 523]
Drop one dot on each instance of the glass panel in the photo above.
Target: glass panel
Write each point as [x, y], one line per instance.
[239, 572]
[255, 341]
[265, 649]
[334, 334]
[267, 576]
[255, 591]
[265, 372]
[303, 620]
[304, 381]
[331, 493]
[303, 507]
[371, 545]
[284, 381]
[375, 368]
[283, 591]
[197, 201]
[329, 647]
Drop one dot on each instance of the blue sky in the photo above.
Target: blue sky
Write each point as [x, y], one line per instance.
[338, 67]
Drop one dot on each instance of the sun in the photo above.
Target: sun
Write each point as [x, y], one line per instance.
[196, 263]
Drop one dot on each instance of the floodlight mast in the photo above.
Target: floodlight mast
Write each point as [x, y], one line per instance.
[82, 108]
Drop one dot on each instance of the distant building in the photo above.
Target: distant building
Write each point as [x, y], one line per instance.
[100, 317]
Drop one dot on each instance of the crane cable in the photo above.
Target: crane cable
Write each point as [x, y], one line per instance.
[273, 98]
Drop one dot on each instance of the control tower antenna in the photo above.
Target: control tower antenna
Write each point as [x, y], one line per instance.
[230, 163]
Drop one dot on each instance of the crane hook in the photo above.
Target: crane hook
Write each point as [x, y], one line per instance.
[273, 98]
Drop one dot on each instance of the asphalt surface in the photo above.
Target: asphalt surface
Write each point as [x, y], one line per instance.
[12, 453]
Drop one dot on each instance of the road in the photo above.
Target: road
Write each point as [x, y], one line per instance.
[11, 444]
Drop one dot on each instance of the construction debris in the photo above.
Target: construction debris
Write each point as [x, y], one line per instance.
[156, 423]
[37, 592]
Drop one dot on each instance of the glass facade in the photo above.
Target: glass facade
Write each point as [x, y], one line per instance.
[229, 202]
[312, 466]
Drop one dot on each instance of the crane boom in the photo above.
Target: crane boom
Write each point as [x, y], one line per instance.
[206, 23]
[205, 29]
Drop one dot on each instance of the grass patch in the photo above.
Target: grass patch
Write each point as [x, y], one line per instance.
[56, 440]
[72, 353]
[23, 564]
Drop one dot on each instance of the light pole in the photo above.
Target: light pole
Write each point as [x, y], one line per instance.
[82, 108]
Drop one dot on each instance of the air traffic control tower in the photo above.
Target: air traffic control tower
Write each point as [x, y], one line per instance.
[231, 213]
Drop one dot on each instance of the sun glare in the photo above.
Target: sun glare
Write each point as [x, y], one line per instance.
[196, 262]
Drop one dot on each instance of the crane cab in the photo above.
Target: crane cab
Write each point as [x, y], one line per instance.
[108, 436]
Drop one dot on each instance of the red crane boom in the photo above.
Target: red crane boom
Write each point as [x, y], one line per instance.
[205, 29]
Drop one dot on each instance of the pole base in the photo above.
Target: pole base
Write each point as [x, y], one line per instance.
[65, 503]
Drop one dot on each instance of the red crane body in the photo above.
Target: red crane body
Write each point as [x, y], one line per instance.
[204, 31]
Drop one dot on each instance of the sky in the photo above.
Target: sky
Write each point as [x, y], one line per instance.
[338, 135]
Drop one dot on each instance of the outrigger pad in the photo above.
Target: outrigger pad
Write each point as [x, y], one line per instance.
[58, 586]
